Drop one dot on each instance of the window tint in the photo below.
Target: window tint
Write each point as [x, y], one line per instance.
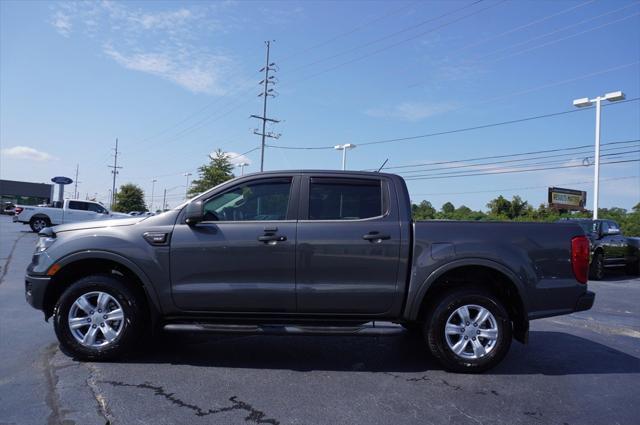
[344, 199]
[261, 200]
[76, 205]
[96, 208]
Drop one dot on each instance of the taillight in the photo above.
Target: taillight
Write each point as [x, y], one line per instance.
[580, 258]
[18, 210]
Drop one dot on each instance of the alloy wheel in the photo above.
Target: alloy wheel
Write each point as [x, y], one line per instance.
[471, 332]
[96, 319]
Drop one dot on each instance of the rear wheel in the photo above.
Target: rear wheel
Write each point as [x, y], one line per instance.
[98, 318]
[468, 330]
[597, 267]
[39, 223]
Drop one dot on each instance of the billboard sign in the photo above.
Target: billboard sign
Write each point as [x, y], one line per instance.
[567, 198]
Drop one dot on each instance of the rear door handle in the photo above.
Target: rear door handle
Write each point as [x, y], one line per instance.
[375, 236]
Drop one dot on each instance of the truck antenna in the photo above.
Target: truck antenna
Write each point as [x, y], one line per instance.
[383, 164]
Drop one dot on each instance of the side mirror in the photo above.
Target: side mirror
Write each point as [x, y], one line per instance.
[194, 212]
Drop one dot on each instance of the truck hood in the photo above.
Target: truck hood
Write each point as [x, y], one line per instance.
[83, 225]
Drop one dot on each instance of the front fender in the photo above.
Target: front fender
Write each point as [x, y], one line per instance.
[149, 289]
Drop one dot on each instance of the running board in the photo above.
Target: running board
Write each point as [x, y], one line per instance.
[369, 329]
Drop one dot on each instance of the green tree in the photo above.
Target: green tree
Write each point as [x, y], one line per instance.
[499, 207]
[217, 171]
[423, 211]
[130, 197]
[448, 208]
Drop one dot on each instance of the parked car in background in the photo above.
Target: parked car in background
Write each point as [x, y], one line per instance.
[8, 208]
[72, 210]
[609, 247]
[307, 252]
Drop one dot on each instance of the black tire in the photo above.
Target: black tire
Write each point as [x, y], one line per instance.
[132, 324]
[39, 223]
[596, 271]
[444, 308]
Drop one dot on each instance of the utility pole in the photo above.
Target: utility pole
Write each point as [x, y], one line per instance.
[266, 92]
[76, 195]
[114, 171]
[344, 148]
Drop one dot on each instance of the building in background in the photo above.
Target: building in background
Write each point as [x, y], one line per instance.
[25, 193]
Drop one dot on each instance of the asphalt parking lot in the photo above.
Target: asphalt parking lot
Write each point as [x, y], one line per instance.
[578, 369]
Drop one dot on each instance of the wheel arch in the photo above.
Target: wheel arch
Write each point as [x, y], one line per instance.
[478, 272]
[80, 264]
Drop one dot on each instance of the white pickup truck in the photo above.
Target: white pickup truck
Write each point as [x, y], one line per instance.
[72, 210]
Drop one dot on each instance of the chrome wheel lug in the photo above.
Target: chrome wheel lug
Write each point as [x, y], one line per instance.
[467, 323]
[466, 337]
[475, 324]
[89, 319]
[99, 310]
[104, 317]
[95, 326]
[478, 332]
[91, 312]
[474, 338]
[102, 325]
[462, 329]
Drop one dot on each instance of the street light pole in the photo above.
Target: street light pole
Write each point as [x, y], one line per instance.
[153, 187]
[186, 192]
[581, 103]
[242, 165]
[344, 148]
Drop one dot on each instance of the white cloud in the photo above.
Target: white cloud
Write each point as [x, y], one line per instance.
[173, 44]
[235, 158]
[411, 111]
[25, 152]
[62, 23]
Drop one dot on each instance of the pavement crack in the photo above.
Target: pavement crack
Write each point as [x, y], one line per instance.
[7, 263]
[92, 383]
[51, 397]
[254, 415]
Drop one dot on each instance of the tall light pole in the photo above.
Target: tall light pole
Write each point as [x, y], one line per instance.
[581, 103]
[186, 191]
[344, 148]
[153, 187]
[242, 165]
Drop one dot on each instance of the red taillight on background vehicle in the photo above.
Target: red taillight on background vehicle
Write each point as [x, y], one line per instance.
[18, 210]
[580, 258]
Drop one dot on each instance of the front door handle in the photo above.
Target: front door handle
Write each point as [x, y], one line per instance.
[271, 238]
[375, 236]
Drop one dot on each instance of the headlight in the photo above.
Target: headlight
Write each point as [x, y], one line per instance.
[44, 242]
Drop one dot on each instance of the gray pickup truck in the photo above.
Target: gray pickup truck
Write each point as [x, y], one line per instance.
[307, 252]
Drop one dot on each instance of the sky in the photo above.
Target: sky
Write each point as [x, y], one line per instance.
[175, 81]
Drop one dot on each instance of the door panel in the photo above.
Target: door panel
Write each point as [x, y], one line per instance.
[223, 267]
[348, 249]
[242, 258]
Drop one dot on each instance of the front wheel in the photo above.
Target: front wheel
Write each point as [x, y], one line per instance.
[468, 331]
[98, 318]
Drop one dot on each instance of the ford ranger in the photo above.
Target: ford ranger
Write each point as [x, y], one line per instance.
[307, 252]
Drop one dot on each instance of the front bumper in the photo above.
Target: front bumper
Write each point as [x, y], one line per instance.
[34, 290]
[585, 302]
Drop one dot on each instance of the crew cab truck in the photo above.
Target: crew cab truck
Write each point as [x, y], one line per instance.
[610, 249]
[72, 210]
[307, 252]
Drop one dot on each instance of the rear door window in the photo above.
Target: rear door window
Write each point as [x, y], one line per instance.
[77, 205]
[344, 199]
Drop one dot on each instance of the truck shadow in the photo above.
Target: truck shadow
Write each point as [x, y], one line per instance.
[548, 353]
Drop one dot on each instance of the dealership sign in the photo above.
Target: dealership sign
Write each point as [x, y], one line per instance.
[567, 198]
[62, 180]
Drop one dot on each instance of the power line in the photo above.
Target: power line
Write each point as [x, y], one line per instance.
[513, 167]
[516, 171]
[504, 189]
[566, 37]
[382, 49]
[482, 158]
[388, 36]
[509, 161]
[527, 25]
[461, 130]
